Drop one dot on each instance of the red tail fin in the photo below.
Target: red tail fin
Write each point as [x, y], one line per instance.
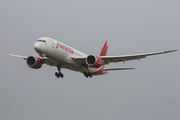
[104, 49]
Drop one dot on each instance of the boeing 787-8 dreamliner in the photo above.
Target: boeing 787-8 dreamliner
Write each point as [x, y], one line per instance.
[55, 53]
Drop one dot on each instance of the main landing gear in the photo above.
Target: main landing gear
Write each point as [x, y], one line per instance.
[59, 74]
[88, 74]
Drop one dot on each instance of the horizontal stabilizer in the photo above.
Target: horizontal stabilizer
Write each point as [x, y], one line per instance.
[119, 69]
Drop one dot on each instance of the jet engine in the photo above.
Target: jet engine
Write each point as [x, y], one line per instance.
[34, 62]
[93, 61]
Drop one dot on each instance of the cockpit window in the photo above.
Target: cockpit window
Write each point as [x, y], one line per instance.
[41, 41]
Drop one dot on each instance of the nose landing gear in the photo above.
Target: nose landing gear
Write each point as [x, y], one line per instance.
[59, 74]
[42, 60]
[87, 74]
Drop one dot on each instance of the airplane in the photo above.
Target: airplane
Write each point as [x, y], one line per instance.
[60, 55]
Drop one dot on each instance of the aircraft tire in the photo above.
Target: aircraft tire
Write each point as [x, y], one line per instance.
[87, 74]
[61, 75]
[56, 74]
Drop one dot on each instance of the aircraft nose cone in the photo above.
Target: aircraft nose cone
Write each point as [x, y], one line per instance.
[37, 46]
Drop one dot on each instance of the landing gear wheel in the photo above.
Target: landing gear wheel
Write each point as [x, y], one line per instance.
[59, 74]
[56, 74]
[62, 75]
[88, 74]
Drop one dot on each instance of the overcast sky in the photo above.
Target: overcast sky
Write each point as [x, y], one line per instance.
[150, 92]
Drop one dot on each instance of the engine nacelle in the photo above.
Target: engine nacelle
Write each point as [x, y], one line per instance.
[34, 62]
[93, 61]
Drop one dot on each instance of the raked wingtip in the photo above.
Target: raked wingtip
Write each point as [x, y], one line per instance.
[171, 50]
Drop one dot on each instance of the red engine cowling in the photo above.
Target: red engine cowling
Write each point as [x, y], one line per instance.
[34, 62]
[93, 61]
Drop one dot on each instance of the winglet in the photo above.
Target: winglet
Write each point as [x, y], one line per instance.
[104, 49]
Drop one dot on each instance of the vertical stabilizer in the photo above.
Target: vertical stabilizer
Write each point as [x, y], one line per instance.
[104, 49]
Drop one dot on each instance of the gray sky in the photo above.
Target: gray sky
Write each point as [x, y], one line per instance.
[151, 92]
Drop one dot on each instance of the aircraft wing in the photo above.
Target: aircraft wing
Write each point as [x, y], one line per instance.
[17, 56]
[121, 58]
[47, 61]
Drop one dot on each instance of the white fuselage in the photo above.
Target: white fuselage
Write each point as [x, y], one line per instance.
[62, 54]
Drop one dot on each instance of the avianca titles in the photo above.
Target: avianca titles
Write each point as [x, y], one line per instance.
[60, 55]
